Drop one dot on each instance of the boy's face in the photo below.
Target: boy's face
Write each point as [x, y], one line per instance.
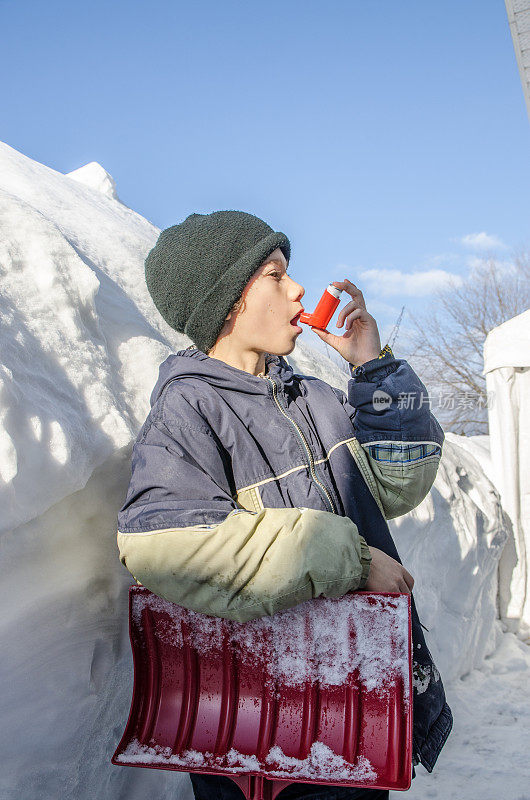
[270, 300]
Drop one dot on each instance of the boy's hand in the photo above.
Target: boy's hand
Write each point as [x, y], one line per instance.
[387, 575]
[361, 341]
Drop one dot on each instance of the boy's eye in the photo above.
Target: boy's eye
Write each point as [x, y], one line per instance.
[276, 275]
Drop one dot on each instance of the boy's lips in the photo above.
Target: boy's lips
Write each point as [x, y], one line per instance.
[295, 319]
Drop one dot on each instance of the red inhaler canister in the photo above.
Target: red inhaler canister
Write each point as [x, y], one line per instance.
[325, 308]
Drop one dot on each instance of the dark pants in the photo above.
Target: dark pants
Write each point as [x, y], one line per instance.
[219, 787]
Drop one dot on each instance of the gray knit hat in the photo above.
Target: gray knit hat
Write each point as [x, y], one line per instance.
[199, 268]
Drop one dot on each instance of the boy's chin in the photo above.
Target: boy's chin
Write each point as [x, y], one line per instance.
[285, 350]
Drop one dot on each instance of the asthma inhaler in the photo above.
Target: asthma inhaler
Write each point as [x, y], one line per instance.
[325, 308]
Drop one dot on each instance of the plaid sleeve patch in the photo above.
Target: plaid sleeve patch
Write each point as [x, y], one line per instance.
[403, 452]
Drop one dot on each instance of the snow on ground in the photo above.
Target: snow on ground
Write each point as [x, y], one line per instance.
[81, 345]
[486, 754]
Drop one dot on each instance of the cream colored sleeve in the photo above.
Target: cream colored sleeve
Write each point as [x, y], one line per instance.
[250, 564]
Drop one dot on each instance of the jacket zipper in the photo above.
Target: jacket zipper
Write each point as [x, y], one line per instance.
[302, 437]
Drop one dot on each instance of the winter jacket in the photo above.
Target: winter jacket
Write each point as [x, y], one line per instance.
[251, 494]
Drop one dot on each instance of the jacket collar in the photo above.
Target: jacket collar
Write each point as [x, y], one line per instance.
[194, 363]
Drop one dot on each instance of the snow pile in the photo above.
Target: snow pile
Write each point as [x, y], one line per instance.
[451, 544]
[94, 176]
[324, 640]
[81, 346]
[479, 447]
[81, 339]
[305, 360]
[322, 764]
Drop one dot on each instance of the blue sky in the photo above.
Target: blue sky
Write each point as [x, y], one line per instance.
[376, 135]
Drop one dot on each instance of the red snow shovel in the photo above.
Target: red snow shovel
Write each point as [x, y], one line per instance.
[320, 693]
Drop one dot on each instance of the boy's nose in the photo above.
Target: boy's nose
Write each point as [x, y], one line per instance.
[301, 291]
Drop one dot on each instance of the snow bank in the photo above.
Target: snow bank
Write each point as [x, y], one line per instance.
[94, 176]
[81, 339]
[66, 667]
[451, 544]
[479, 447]
[81, 346]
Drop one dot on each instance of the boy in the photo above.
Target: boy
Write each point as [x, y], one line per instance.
[261, 488]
